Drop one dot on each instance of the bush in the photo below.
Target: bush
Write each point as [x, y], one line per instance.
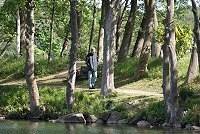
[156, 112]
[192, 116]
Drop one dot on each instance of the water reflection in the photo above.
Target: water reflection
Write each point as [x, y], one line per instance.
[29, 127]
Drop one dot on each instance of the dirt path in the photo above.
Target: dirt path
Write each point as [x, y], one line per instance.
[59, 78]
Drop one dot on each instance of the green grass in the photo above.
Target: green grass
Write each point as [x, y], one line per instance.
[14, 99]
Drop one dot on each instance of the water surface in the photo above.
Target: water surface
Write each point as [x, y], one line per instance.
[30, 127]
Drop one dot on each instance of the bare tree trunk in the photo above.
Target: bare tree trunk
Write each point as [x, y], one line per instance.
[18, 34]
[193, 66]
[196, 28]
[22, 29]
[107, 82]
[124, 49]
[66, 40]
[172, 100]
[142, 65]
[51, 32]
[119, 23]
[101, 32]
[166, 77]
[29, 66]
[140, 39]
[70, 98]
[93, 26]
[155, 47]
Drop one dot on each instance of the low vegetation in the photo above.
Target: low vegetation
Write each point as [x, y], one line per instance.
[14, 99]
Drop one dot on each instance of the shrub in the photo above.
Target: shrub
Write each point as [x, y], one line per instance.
[192, 116]
[156, 112]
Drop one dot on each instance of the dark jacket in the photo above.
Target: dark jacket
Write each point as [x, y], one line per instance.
[92, 61]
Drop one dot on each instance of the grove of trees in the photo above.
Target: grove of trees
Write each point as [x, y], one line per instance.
[119, 29]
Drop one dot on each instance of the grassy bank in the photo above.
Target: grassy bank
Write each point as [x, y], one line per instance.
[14, 99]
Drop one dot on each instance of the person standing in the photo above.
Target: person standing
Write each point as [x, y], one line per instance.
[92, 65]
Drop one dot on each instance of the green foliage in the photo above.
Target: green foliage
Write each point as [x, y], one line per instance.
[183, 64]
[126, 68]
[183, 38]
[155, 111]
[56, 65]
[189, 98]
[14, 101]
[53, 100]
[89, 103]
[155, 68]
[12, 67]
[192, 116]
[186, 92]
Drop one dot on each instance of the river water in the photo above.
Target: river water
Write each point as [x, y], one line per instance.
[30, 127]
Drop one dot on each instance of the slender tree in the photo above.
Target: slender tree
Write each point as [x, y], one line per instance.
[107, 82]
[142, 65]
[192, 72]
[66, 42]
[101, 32]
[93, 26]
[196, 28]
[124, 49]
[18, 33]
[29, 65]
[140, 39]
[119, 24]
[70, 98]
[172, 99]
[51, 31]
[22, 30]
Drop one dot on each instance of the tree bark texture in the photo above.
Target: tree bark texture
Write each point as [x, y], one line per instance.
[107, 82]
[140, 39]
[93, 26]
[124, 49]
[196, 28]
[142, 65]
[192, 72]
[173, 105]
[51, 32]
[22, 29]
[101, 32]
[155, 47]
[119, 23]
[70, 98]
[29, 65]
[18, 34]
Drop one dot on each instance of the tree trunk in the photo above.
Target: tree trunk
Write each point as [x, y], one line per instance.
[142, 65]
[192, 72]
[18, 34]
[22, 29]
[196, 28]
[65, 43]
[119, 23]
[173, 105]
[70, 98]
[29, 65]
[155, 47]
[107, 82]
[101, 32]
[140, 39]
[93, 26]
[166, 77]
[124, 49]
[51, 32]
